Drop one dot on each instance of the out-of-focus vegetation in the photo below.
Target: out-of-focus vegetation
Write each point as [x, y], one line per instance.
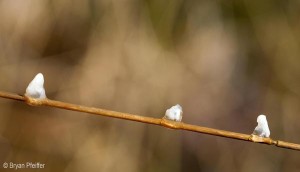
[225, 62]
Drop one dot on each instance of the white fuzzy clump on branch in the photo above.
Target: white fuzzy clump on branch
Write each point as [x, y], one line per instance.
[262, 128]
[174, 113]
[35, 88]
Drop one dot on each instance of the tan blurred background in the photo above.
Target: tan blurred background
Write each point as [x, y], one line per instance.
[225, 62]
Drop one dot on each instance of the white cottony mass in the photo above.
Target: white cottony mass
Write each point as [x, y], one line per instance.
[35, 88]
[262, 128]
[174, 113]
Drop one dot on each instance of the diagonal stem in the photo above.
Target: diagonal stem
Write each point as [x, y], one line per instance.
[155, 121]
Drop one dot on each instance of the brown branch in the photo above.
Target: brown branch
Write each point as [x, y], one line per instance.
[156, 121]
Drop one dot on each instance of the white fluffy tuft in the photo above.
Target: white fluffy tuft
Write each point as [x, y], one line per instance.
[35, 88]
[174, 113]
[262, 128]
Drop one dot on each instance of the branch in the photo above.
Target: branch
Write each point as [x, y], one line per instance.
[155, 121]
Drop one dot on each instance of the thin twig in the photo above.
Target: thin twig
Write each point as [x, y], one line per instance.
[156, 121]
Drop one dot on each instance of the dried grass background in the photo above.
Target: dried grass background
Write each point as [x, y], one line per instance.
[225, 62]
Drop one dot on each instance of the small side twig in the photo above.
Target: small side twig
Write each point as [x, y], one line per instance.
[156, 121]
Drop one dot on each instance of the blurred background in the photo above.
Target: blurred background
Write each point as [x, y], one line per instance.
[225, 62]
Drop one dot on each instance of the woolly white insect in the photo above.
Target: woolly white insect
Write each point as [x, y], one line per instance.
[174, 113]
[35, 88]
[262, 128]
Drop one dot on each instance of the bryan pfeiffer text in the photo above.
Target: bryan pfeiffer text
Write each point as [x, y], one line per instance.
[29, 165]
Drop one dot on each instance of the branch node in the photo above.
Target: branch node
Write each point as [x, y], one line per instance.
[170, 124]
[258, 139]
[33, 102]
